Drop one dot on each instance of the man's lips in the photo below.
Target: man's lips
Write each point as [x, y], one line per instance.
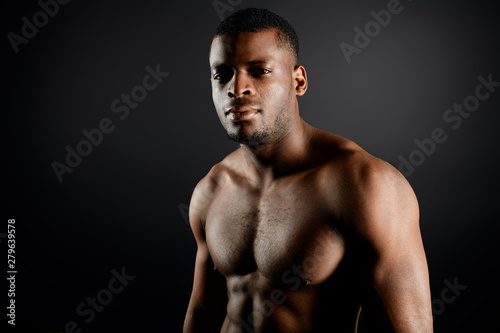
[241, 113]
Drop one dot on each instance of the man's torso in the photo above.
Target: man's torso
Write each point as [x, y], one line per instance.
[282, 250]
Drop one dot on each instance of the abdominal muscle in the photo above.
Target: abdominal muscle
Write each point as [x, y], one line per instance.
[255, 305]
[256, 308]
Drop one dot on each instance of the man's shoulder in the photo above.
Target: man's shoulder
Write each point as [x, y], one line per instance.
[347, 159]
[208, 187]
[363, 191]
[220, 173]
[356, 175]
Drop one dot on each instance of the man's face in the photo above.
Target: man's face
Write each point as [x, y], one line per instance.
[253, 86]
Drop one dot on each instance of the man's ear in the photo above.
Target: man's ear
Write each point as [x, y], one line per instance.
[300, 77]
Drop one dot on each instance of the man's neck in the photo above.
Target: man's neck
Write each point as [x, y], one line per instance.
[282, 157]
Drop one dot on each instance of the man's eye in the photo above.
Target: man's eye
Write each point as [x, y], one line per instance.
[221, 76]
[260, 71]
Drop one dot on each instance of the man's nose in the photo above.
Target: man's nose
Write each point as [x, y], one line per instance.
[240, 85]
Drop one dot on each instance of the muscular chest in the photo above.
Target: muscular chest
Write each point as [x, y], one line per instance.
[275, 232]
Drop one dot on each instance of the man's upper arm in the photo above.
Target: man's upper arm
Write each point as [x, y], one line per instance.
[383, 214]
[207, 305]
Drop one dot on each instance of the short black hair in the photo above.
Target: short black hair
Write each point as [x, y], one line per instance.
[257, 20]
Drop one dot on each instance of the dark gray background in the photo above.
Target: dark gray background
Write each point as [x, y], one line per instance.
[120, 207]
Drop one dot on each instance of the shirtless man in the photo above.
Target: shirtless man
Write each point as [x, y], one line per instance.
[298, 229]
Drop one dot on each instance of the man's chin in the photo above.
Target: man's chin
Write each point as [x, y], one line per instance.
[254, 140]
